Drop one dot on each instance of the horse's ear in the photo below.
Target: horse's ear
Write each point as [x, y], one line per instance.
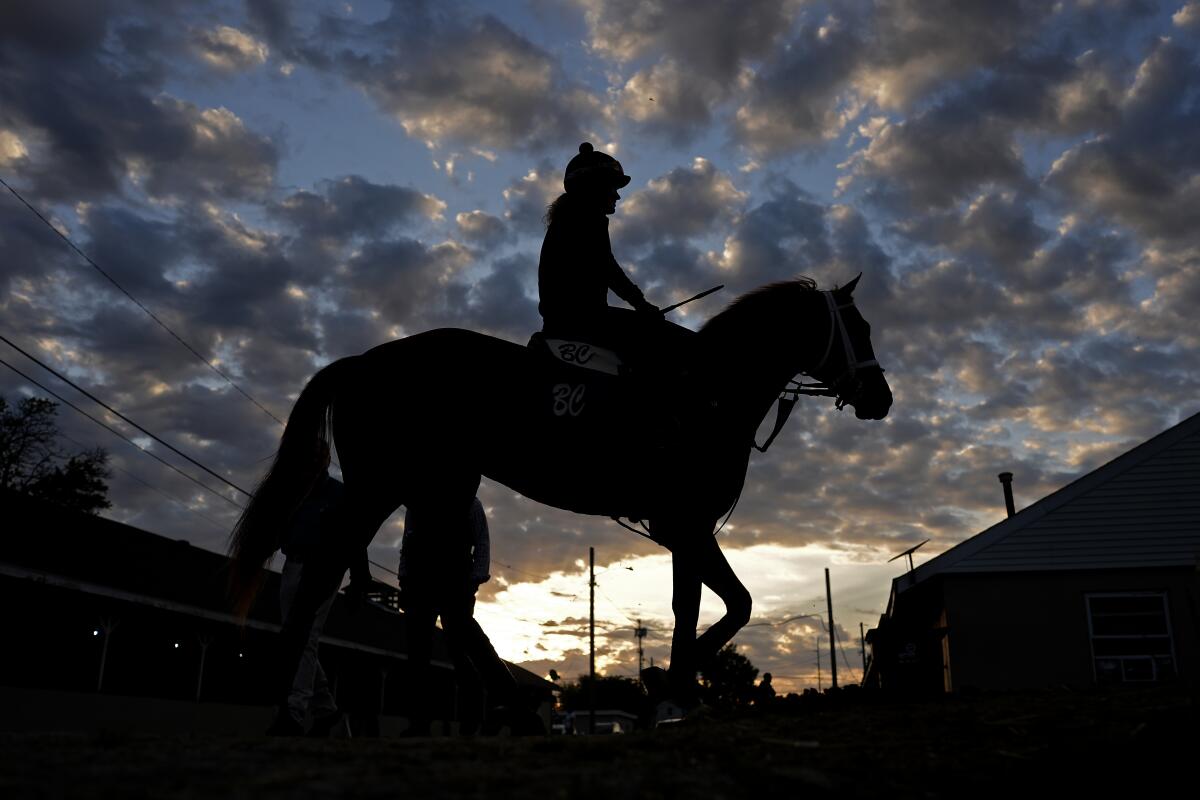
[848, 289]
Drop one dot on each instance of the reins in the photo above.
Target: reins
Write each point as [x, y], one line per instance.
[788, 397]
[786, 402]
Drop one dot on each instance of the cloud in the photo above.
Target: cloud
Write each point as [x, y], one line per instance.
[683, 203]
[714, 43]
[482, 229]
[90, 121]
[1188, 16]
[228, 49]
[448, 78]
[353, 206]
[527, 197]
[916, 46]
[700, 58]
[68, 27]
[12, 149]
[799, 99]
[1017, 196]
[499, 303]
[995, 225]
[1142, 173]
[936, 159]
[202, 152]
[405, 280]
[671, 99]
[780, 238]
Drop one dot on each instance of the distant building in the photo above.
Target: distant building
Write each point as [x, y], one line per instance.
[98, 606]
[1095, 584]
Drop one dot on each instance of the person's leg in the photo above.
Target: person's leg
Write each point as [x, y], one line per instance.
[420, 617]
[322, 698]
[468, 683]
[301, 687]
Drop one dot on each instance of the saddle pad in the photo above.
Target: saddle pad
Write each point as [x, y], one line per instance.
[587, 356]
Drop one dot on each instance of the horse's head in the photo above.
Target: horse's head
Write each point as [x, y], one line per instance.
[848, 365]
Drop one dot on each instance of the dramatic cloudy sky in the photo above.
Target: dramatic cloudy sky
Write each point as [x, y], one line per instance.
[286, 183]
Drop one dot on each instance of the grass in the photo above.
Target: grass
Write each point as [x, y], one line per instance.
[849, 746]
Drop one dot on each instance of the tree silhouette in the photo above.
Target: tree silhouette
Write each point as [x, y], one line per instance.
[33, 462]
[729, 680]
[612, 692]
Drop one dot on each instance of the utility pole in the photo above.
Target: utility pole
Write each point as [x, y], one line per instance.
[832, 637]
[818, 662]
[107, 626]
[640, 633]
[862, 641]
[205, 640]
[592, 639]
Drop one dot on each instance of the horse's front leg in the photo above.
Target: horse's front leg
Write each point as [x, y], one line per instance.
[685, 603]
[715, 572]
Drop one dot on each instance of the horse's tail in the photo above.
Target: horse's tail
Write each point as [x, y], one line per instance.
[302, 458]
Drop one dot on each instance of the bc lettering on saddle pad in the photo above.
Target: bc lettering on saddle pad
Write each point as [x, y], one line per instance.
[580, 381]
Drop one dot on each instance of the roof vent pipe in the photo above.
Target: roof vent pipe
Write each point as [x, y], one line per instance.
[1006, 479]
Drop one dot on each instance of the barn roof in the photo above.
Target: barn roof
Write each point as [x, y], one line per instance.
[1142, 509]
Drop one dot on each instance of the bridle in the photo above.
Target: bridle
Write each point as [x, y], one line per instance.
[846, 387]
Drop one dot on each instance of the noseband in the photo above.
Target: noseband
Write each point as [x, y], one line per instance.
[847, 379]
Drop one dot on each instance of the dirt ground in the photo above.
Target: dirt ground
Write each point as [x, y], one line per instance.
[993, 745]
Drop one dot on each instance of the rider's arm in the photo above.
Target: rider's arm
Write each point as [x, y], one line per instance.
[620, 283]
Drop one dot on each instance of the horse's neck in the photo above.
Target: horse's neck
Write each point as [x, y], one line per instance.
[751, 372]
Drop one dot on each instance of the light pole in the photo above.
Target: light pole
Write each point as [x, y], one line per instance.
[592, 639]
[640, 633]
[107, 626]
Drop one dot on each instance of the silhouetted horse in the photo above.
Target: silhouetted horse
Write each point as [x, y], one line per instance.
[417, 421]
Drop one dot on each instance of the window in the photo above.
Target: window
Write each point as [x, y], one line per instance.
[1131, 637]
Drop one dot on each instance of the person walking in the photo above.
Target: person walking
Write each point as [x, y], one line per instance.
[310, 696]
[444, 559]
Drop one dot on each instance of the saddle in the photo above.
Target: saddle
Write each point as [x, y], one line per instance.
[580, 381]
[594, 391]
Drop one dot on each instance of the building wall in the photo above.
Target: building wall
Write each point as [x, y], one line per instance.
[1030, 630]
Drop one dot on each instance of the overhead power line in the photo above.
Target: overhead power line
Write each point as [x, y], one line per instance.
[139, 303]
[176, 500]
[121, 416]
[117, 433]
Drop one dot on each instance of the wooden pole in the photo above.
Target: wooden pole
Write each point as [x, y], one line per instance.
[107, 626]
[592, 639]
[818, 662]
[832, 638]
[862, 642]
[205, 641]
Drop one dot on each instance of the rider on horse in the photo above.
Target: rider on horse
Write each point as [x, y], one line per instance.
[577, 267]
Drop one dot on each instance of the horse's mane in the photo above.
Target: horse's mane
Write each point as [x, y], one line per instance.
[765, 302]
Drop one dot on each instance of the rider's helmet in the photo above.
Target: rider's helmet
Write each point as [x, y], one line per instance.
[592, 169]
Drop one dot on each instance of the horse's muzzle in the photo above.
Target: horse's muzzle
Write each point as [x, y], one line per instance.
[874, 398]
